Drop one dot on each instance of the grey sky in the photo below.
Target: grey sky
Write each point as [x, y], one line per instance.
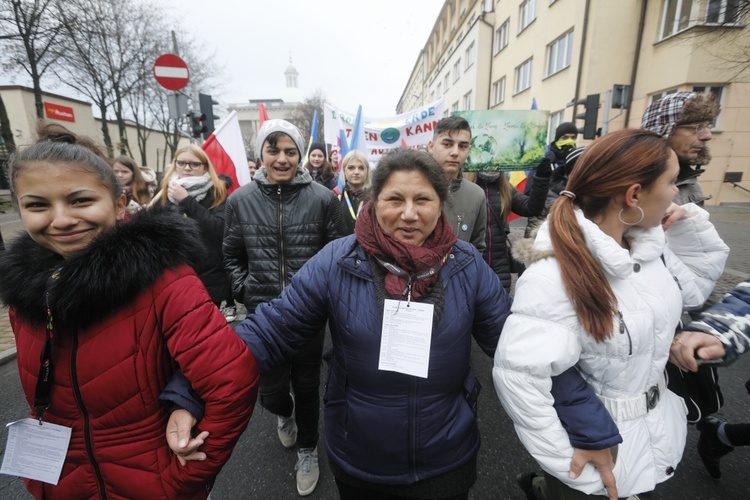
[356, 52]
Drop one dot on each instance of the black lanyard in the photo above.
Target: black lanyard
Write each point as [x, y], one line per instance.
[421, 275]
[43, 393]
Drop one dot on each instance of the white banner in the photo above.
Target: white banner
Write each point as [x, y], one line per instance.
[414, 128]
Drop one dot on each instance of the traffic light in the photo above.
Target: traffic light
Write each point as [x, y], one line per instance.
[207, 108]
[197, 124]
[591, 105]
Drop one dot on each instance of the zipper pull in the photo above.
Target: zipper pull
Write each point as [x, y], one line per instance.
[678, 282]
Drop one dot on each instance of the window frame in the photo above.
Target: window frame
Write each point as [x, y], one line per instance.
[677, 17]
[722, 13]
[468, 100]
[501, 39]
[519, 71]
[526, 14]
[553, 54]
[498, 87]
[470, 55]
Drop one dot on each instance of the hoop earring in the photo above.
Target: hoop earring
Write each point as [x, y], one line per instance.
[619, 217]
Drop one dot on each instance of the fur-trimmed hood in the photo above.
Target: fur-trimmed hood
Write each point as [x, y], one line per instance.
[107, 275]
[523, 250]
[645, 244]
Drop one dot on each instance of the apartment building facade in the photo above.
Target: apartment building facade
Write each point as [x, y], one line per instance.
[554, 53]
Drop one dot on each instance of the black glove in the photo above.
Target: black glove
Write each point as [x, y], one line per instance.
[544, 169]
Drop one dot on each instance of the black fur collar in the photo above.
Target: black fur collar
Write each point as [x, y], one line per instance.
[107, 275]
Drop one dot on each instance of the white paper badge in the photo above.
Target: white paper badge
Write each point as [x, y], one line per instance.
[35, 451]
[406, 337]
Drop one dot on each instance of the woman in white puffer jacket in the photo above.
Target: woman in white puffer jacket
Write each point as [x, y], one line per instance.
[608, 276]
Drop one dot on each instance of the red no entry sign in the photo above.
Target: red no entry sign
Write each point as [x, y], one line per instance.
[171, 72]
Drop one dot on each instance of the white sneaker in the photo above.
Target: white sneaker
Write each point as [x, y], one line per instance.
[229, 312]
[286, 428]
[307, 470]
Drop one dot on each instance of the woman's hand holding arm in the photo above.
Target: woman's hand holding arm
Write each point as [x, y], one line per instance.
[674, 213]
[179, 437]
[688, 347]
[602, 460]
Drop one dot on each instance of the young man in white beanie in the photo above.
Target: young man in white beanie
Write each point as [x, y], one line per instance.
[273, 226]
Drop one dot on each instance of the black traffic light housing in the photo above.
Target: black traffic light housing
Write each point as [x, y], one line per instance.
[207, 103]
[591, 105]
[197, 124]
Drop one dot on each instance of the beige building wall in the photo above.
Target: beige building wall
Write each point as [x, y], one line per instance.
[19, 103]
[608, 47]
[158, 156]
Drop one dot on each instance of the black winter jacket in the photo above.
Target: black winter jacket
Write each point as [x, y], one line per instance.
[211, 222]
[357, 200]
[271, 230]
[497, 253]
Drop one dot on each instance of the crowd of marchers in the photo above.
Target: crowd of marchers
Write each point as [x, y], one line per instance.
[122, 292]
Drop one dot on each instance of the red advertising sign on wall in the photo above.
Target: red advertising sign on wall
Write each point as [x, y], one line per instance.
[57, 112]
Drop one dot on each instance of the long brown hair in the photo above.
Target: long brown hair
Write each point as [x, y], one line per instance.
[138, 186]
[608, 167]
[219, 191]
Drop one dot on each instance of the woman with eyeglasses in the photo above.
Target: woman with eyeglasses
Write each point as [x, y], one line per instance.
[191, 183]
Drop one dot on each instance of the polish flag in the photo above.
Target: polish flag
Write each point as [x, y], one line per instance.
[226, 150]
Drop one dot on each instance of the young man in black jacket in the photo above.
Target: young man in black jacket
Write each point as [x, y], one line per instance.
[273, 226]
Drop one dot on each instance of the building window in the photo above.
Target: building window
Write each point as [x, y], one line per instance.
[439, 89]
[447, 81]
[675, 16]
[445, 112]
[523, 76]
[457, 71]
[526, 14]
[655, 97]
[454, 108]
[501, 37]
[559, 52]
[487, 7]
[432, 96]
[470, 55]
[468, 104]
[555, 119]
[498, 91]
[724, 11]
[461, 8]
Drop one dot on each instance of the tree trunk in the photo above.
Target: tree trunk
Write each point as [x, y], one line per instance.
[5, 131]
[105, 129]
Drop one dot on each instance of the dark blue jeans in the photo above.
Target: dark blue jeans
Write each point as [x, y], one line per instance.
[303, 372]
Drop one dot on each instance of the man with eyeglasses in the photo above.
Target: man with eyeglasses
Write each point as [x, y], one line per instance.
[685, 119]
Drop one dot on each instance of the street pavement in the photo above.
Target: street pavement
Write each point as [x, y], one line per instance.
[261, 468]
